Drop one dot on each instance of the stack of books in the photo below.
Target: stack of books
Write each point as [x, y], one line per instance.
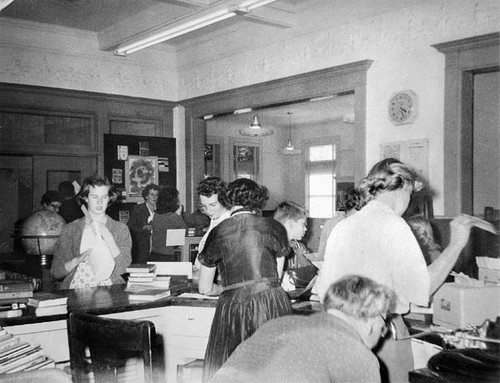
[141, 272]
[144, 275]
[14, 294]
[17, 355]
[144, 284]
[44, 303]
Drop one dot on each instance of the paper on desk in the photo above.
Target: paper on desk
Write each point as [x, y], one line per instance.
[422, 351]
[197, 296]
[464, 280]
[175, 237]
[482, 224]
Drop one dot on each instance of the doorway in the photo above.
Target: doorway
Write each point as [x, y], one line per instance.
[23, 181]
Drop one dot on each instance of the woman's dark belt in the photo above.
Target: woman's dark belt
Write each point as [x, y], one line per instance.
[251, 282]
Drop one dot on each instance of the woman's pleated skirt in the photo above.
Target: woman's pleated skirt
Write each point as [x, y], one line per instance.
[239, 313]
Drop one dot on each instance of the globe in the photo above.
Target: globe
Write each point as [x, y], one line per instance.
[40, 231]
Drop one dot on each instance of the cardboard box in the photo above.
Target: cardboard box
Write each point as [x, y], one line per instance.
[489, 275]
[456, 306]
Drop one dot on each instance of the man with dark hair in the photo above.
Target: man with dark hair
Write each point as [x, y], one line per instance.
[331, 346]
[70, 209]
[140, 224]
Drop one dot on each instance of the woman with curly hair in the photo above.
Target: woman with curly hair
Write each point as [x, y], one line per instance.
[377, 243]
[249, 252]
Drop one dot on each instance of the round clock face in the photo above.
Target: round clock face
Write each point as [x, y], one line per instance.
[402, 107]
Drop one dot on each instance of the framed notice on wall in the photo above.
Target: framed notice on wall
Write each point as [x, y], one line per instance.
[139, 172]
[414, 153]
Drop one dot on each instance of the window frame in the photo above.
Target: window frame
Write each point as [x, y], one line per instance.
[322, 165]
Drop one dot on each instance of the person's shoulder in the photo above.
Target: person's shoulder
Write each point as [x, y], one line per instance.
[114, 223]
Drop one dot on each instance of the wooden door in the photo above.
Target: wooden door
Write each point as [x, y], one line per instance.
[49, 171]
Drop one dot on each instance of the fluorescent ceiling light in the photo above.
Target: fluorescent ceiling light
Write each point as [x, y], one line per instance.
[241, 111]
[197, 21]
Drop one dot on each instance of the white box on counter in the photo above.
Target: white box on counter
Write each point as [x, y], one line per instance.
[457, 306]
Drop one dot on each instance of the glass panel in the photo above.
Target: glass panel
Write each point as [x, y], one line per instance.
[212, 160]
[45, 129]
[320, 207]
[246, 162]
[320, 184]
[321, 153]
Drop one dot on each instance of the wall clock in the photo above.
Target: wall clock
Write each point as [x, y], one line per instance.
[403, 107]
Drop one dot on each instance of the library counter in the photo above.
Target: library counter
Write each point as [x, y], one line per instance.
[183, 323]
[112, 299]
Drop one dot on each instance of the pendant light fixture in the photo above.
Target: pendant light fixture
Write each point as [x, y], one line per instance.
[255, 129]
[290, 149]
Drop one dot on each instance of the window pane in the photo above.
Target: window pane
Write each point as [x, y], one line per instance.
[320, 184]
[320, 207]
[321, 152]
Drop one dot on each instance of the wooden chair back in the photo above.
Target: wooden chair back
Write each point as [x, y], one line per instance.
[102, 346]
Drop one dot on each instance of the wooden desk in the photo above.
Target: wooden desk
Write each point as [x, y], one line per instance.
[182, 324]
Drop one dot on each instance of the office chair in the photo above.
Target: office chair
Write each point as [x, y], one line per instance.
[102, 346]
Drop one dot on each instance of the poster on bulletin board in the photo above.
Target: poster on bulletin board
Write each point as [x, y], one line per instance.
[414, 153]
[140, 171]
[133, 162]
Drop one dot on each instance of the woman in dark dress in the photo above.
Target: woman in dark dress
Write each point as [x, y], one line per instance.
[249, 252]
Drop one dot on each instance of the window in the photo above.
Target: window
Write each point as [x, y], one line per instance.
[321, 183]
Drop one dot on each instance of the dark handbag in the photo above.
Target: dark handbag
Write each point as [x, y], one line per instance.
[471, 365]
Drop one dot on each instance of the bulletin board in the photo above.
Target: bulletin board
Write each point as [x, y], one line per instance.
[414, 153]
[133, 162]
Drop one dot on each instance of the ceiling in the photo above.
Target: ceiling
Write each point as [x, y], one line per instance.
[119, 21]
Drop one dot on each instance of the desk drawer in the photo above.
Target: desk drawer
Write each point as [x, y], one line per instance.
[189, 321]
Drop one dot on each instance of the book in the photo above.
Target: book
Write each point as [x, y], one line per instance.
[11, 301]
[9, 343]
[149, 285]
[45, 299]
[151, 274]
[51, 310]
[13, 350]
[13, 306]
[47, 363]
[11, 363]
[11, 313]
[141, 280]
[29, 363]
[148, 294]
[140, 268]
[16, 294]
[8, 285]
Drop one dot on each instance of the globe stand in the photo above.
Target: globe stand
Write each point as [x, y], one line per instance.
[41, 261]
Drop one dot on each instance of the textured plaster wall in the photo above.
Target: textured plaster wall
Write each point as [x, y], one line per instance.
[34, 54]
[397, 35]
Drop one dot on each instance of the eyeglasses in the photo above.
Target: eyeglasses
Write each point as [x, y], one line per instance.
[55, 206]
[389, 329]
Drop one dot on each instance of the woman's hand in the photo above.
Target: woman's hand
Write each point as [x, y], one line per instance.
[460, 230]
[73, 263]
[108, 238]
